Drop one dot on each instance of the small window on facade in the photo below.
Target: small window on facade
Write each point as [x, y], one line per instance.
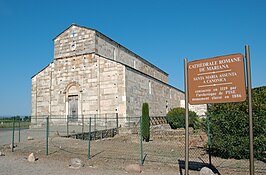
[149, 87]
[134, 64]
[114, 51]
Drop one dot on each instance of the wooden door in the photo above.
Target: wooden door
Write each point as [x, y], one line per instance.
[73, 108]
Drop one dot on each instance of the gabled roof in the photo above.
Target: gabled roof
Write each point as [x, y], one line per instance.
[70, 27]
[111, 40]
[41, 70]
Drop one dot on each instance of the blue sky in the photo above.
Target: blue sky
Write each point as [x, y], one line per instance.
[163, 32]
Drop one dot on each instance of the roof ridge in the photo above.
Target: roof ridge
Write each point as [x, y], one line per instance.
[120, 45]
[73, 24]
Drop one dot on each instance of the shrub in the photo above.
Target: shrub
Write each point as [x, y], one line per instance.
[229, 124]
[176, 118]
[145, 122]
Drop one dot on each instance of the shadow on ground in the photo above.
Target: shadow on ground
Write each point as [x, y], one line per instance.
[196, 166]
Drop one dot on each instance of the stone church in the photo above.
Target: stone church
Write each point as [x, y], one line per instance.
[93, 74]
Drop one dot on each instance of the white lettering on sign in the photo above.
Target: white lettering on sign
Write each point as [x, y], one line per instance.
[216, 80]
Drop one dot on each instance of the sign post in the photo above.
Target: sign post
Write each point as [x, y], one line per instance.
[251, 157]
[218, 80]
[186, 115]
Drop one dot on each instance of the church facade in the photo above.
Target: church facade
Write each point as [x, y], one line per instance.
[93, 75]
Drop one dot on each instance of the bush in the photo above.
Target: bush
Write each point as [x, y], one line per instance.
[176, 118]
[27, 118]
[229, 124]
[145, 122]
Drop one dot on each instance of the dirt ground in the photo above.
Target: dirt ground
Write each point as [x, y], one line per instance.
[61, 150]
[110, 156]
[14, 164]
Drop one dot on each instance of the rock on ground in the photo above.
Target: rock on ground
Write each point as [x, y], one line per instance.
[133, 168]
[2, 154]
[30, 138]
[206, 171]
[14, 146]
[76, 163]
[31, 158]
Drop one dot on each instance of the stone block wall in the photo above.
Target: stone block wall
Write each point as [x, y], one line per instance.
[41, 93]
[77, 40]
[200, 110]
[112, 87]
[100, 85]
[74, 41]
[112, 50]
[142, 88]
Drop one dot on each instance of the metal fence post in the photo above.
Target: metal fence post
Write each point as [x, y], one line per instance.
[116, 115]
[95, 123]
[82, 129]
[209, 140]
[13, 135]
[35, 120]
[89, 141]
[47, 135]
[141, 148]
[105, 121]
[19, 131]
[67, 126]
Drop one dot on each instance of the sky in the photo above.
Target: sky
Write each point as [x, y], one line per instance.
[164, 32]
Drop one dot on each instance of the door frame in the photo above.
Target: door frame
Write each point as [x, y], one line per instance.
[71, 117]
[79, 94]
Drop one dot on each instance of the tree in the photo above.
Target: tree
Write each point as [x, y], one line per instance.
[145, 122]
[176, 118]
[229, 124]
[27, 118]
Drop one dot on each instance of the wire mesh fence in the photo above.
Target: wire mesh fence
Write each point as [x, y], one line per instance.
[111, 137]
[12, 129]
[228, 142]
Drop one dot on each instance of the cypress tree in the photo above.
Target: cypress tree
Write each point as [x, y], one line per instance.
[145, 122]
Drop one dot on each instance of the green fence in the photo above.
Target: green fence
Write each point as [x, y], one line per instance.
[227, 148]
[118, 140]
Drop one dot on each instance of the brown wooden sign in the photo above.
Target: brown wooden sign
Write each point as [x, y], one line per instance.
[217, 80]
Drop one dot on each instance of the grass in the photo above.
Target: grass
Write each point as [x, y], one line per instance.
[5, 123]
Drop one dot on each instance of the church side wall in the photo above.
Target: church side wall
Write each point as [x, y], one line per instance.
[141, 88]
[41, 93]
[118, 53]
[33, 96]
